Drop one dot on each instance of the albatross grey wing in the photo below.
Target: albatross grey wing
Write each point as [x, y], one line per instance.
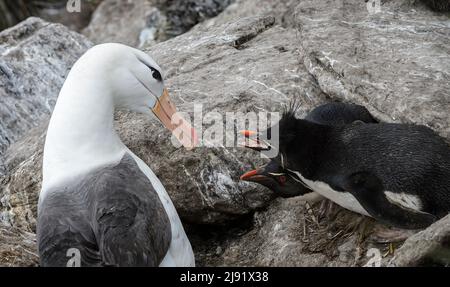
[132, 227]
[119, 208]
[63, 225]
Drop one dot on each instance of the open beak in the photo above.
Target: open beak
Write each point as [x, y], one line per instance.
[166, 112]
[252, 141]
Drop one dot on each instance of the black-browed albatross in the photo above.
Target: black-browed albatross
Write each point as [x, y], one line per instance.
[98, 198]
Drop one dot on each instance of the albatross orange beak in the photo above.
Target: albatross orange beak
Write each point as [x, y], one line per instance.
[166, 112]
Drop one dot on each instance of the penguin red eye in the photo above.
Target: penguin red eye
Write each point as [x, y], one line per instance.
[282, 179]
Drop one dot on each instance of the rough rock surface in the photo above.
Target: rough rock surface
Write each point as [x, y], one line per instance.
[394, 62]
[35, 58]
[279, 236]
[119, 21]
[290, 232]
[140, 22]
[19, 188]
[17, 247]
[282, 10]
[428, 247]
[182, 15]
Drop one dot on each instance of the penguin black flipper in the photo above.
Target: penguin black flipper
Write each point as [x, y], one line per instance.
[368, 189]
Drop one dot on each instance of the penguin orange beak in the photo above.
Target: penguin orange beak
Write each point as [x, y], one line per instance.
[249, 174]
[254, 176]
[166, 112]
[266, 175]
[252, 141]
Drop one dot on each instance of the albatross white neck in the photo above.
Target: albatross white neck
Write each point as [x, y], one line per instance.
[81, 135]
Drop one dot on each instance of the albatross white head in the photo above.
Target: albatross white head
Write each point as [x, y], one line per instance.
[137, 85]
[81, 134]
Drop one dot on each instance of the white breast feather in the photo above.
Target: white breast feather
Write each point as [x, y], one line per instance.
[180, 252]
[405, 200]
[344, 199]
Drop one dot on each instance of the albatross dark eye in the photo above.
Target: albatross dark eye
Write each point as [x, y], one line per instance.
[156, 74]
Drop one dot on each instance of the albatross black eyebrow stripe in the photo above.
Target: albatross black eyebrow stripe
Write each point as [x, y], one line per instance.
[157, 98]
[155, 73]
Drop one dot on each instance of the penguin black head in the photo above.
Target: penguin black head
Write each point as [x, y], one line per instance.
[299, 140]
[288, 129]
[282, 182]
[273, 175]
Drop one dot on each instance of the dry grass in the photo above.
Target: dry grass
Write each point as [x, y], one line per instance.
[17, 248]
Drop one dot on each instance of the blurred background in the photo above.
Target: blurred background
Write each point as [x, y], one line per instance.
[14, 11]
[132, 22]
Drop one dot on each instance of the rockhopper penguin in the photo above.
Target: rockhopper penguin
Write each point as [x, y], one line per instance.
[285, 183]
[397, 173]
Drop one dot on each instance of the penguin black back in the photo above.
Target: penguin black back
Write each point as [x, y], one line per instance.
[340, 114]
[411, 162]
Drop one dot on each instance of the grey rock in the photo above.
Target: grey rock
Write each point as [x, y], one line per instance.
[119, 21]
[20, 187]
[286, 233]
[182, 15]
[394, 62]
[56, 11]
[282, 10]
[35, 57]
[143, 22]
[278, 239]
[428, 247]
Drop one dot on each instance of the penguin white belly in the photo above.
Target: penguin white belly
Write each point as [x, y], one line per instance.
[180, 252]
[344, 199]
[404, 200]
